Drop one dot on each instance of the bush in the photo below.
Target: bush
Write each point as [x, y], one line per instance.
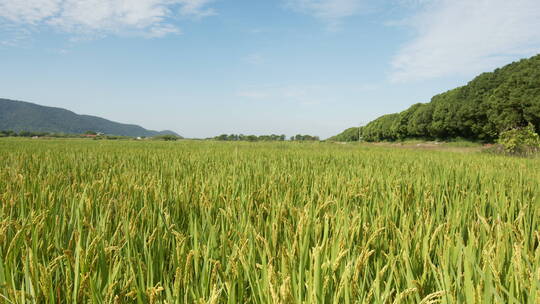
[520, 141]
[167, 137]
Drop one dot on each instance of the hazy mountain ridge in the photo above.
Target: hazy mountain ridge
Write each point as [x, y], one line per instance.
[25, 116]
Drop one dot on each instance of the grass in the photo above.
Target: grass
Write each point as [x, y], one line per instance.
[206, 222]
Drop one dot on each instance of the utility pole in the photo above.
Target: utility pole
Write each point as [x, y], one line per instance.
[360, 125]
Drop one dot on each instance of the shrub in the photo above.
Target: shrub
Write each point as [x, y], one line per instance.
[167, 137]
[520, 141]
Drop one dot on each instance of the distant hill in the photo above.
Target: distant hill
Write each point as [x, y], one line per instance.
[493, 102]
[24, 116]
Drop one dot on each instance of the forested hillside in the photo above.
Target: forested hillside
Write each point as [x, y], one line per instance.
[493, 102]
[351, 134]
[24, 116]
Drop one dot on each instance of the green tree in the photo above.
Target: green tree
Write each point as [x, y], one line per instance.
[491, 103]
[521, 141]
[166, 137]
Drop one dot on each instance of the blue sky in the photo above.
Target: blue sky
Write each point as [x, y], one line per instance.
[206, 67]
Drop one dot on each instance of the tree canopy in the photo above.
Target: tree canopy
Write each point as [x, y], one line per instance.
[351, 134]
[300, 137]
[272, 137]
[492, 103]
[242, 137]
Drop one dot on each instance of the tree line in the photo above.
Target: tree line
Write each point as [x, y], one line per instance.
[242, 137]
[490, 104]
[11, 133]
[166, 137]
[350, 134]
[92, 134]
[272, 137]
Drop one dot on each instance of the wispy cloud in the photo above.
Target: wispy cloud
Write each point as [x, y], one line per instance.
[197, 8]
[300, 94]
[150, 18]
[330, 11]
[254, 59]
[12, 35]
[462, 37]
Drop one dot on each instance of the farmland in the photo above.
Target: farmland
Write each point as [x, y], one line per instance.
[85, 221]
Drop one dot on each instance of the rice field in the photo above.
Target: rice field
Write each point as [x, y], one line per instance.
[85, 221]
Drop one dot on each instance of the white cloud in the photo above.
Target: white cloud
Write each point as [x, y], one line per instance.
[162, 30]
[330, 11]
[196, 8]
[464, 37]
[151, 18]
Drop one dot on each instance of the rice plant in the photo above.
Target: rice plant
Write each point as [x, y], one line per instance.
[205, 222]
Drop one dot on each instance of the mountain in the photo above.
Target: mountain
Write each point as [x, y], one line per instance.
[24, 116]
[491, 103]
